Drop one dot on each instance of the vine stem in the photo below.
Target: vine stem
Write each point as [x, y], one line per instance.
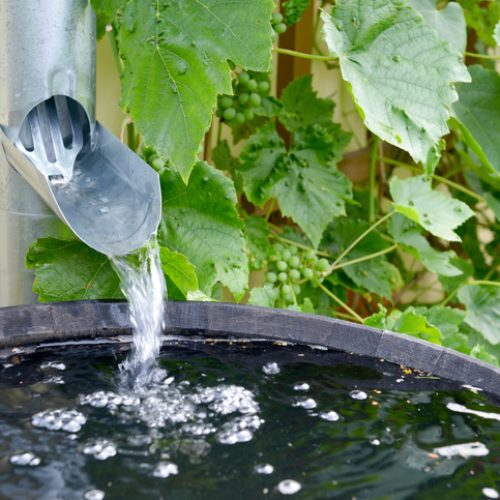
[303, 55]
[365, 257]
[436, 177]
[373, 164]
[482, 56]
[485, 282]
[341, 303]
[358, 239]
[299, 245]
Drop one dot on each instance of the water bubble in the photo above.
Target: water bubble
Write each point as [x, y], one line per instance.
[55, 420]
[359, 395]
[289, 487]
[101, 399]
[165, 469]
[308, 403]
[264, 469]
[331, 416]
[104, 210]
[301, 387]
[239, 430]
[53, 365]
[490, 493]
[271, 368]
[25, 459]
[101, 449]
[375, 442]
[94, 495]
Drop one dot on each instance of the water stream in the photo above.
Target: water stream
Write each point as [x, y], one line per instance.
[143, 284]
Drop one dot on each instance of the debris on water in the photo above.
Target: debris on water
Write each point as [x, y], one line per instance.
[490, 493]
[101, 449]
[301, 387]
[165, 469]
[331, 416]
[264, 469]
[472, 388]
[359, 395]
[464, 450]
[289, 487]
[483, 414]
[94, 495]
[271, 368]
[308, 403]
[25, 459]
[55, 420]
[53, 365]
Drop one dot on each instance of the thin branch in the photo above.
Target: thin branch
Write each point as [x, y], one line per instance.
[341, 303]
[303, 55]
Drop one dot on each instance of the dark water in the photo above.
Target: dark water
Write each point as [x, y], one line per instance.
[214, 423]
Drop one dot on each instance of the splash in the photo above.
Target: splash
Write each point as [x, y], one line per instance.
[143, 284]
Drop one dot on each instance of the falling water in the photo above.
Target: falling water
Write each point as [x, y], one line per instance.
[143, 284]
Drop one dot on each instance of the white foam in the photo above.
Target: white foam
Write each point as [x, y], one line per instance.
[165, 469]
[331, 416]
[271, 368]
[464, 450]
[359, 395]
[101, 449]
[264, 469]
[25, 459]
[483, 414]
[60, 419]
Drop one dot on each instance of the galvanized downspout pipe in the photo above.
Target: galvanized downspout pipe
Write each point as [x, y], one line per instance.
[49, 140]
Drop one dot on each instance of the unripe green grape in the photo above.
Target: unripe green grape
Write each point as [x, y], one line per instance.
[226, 102]
[294, 261]
[294, 274]
[252, 85]
[229, 114]
[276, 18]
[310, 255]
[282, 277]
[249, 114]
[282, 265]
[263, 86]
[271, 277]
[296, 289]
[278, 247]
[280, 28]
[286, 254]
[158, 163]
[289, 298]
[240, 118]
[286, 290]
[274, 257]
[243, 78]
[308, 273]
[322, 265]
[293, 250]
[255, 100]
[219, 112]
[243, 98]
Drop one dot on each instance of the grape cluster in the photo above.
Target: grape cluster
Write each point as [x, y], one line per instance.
[277, 23]
[290, 267]
[249, 88]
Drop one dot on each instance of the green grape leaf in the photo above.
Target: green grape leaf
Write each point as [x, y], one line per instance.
[447, 319]
[449, 22]
[70, 270]
[302, 106]
[482, 304]
[304, 180]
[265, 296]
[409, 238]
[179, 271]
[414, 198]
[417, 325]
[478, 114]
[257, 233]
[176, 61]
[482, 18]
[480, 351]
[377, 320]
[294, 9]
[201, 222]
[452, 283]
[401, 73]
[375, 275]
[223, 159]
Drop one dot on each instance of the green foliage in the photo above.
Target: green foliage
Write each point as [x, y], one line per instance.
[400, 72]
[70, 270]
[277, 202]
[478, 114]
[201, 222]
[448, 23]
[414, 198]
[175, 58]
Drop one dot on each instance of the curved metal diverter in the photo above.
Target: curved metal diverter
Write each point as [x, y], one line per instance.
[108, 196]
